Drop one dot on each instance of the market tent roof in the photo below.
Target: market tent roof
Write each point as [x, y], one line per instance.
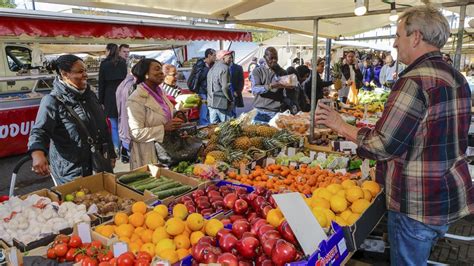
[247, 11]
[49, 24]
[98, 49]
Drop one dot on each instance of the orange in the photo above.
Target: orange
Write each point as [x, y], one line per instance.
[154, 220]
[345, 214]
[367, 194]
[124, 230]
[170, 255]
[139, 230]
[360, 205]
[139, 206]
[213, 226]
[354, 193]
[372, 186]
[158, 234]
[195, 221]
[195, 236]
[146, 236]
[182, 241]
[134, 237]
[182, 253]
[175, 226]
[125, 239]
[148, 248]
[320, 202]
[338, 204]
[274, 217]
[348, 183]
[120, 218]
[134, 247]
[106, 230]
[334, 188]
[136, 219]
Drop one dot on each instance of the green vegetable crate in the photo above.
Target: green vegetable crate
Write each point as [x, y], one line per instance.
[162, 183]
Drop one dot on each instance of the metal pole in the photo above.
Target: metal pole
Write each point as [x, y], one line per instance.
[457, 57]
[313, 80]
[327, 67]
[33, 3]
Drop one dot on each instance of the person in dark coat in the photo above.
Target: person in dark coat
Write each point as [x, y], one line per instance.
[112, 72]
[319, 85]
[236, 84]
[57, 135]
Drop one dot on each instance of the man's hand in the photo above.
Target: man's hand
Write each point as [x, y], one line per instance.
[173, 124]
[40, 163]
[395, 76]
[349, 82]
[327, 116]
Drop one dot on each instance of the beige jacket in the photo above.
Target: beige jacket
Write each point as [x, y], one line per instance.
[146, 120]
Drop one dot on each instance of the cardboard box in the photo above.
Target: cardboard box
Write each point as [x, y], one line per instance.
[332, 251]
[101, 183]
[157, 172]
[40, 242]
[358, 232]
[53, 196]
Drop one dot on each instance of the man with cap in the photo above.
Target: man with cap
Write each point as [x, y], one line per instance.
[219, 97]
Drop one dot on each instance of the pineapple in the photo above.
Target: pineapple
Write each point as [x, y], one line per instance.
[209, 148]
[250, 130]
[217, 155]
[242, 143]
[213, 139]
[256, 142]
[266, 131]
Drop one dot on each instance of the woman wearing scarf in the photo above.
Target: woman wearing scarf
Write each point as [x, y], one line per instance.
[150, 113]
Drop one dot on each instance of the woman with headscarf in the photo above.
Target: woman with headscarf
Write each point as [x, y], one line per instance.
[57, 135]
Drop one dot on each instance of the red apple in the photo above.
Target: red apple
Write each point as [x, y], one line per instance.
[208, 239]
[227, 242]
[252, 196]
[260, 258]
[285, 230]
[260, 190]
[248, 247]
[198, 193]
[268, 245]
[228, 259]
[191, 209]
[272, 201]
[207, 212]
[251, 216]
[203, 205]
[259, 200]
[241, 206]
[230, 199]
[266, 262]
[221, 233]
[270, 234]
[234, 217]
[265, 210]
[219, 204]
[249, 234]
[245, 263]
[257, 224]
[213, 193]
[186, 198]
[210, 257]
[263, 229]
[202, 198]
[210, 188]
[241, 190]
[226, 221]
[216, 198]
[199, 250]
[283, 252]
[239, 227]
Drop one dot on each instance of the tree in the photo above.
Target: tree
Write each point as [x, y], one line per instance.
[7, 3]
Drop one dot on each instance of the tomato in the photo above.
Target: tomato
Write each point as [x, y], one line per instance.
[71, 253]
[75, 242]
[105, 255]
[113, 262]
[61, 239]
[60, 249]
[61, 260]
[142, 262]
[96, 244]
[125, 260]
[143, 255]
[88, 261]
[79, 257]
[51, 254]
[91, 251]
[105, 263]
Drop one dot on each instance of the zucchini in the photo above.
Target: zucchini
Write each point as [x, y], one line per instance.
[172, 192]
[128, 178]
[148, 186]
[166, 186]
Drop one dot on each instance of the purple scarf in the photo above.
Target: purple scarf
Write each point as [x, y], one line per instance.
[159, 97]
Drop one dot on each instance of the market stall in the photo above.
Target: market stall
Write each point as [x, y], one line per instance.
[22, 87]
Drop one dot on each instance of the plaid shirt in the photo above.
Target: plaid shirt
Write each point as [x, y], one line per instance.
[420, 143]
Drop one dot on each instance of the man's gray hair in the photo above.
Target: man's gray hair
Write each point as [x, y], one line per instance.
[429, 21]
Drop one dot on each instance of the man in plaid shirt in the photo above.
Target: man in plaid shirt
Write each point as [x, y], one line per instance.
[420, 141]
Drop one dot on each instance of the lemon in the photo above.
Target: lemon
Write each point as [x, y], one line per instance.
[164, 244]
[158, 234]
[162, 210]
[154, 220]
[170, 255]
[195, 221]
[175, 226]
[213, 226]
[182, 241]
[180, 211]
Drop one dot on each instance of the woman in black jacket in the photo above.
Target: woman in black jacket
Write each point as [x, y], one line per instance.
[56, 133]
[320, 83]
[112, 72]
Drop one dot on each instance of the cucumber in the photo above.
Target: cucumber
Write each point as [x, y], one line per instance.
[172, 192]
[128, 178]
[166, 186]
[149, 186]
[142, 181]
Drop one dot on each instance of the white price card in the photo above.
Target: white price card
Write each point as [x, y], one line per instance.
[306, 228]
[312, 154]
[119, 248]
[269, 161]
[291, 151]
[84, 232]
[14, 257]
